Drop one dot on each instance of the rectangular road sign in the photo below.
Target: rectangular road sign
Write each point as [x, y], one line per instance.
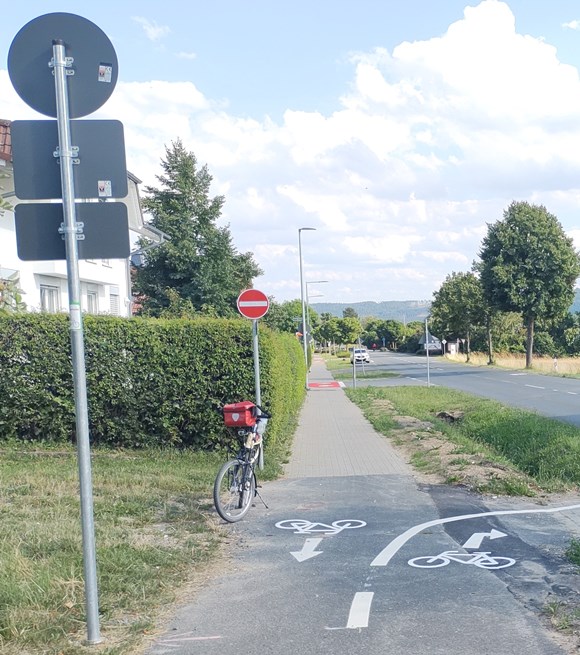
[101, 171]
[106, 231]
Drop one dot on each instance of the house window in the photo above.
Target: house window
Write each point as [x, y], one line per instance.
[115, 301]
[92, 302]
[49, 298]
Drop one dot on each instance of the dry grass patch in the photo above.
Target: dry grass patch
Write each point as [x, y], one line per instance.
[439, 460]
[565, 366]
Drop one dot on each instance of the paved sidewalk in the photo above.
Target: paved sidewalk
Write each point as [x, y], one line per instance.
[334, 439]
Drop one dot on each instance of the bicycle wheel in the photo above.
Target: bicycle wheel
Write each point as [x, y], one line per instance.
[428, 562]
[344, 524]
[233, 490]
[496, 563]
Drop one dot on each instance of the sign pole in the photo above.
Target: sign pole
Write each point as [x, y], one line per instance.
[254, 304]
[69, 229]
[427, 351]
[258, 395]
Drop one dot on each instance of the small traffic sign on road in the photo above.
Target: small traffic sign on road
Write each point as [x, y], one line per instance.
[253, 303]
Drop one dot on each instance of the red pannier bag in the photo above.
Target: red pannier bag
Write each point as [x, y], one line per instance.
[240, 415]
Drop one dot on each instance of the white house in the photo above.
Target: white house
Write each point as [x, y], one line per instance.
[105, 283]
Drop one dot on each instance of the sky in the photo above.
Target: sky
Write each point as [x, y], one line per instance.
[398, 129]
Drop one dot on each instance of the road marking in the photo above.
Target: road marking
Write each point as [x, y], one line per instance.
[477, 537]
[303, 526]
[387, 554]
[572, 393]
[533, 386]
[517, 374]
[308, 550]
[326, 385]
[481, 560]
[360, 609]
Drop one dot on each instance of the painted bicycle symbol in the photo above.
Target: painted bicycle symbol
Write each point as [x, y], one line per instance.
[481, 560]
[302, 526]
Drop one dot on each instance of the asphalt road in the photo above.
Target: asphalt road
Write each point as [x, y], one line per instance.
[342, 598]
[355, 555]
[548, 395]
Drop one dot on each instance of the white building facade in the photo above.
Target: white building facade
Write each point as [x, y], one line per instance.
[105, 283]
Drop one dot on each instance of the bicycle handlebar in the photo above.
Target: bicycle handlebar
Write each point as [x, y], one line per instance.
[263, 413]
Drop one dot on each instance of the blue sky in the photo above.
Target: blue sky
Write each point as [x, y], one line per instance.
[397, 128]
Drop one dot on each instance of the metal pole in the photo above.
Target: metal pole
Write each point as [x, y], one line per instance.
[304, 326]
[69, 229]
[258, 395]
[427, 351]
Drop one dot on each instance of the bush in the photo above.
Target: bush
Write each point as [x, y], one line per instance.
[149, 382]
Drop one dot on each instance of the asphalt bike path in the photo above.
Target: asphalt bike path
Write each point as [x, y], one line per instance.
[354, 555]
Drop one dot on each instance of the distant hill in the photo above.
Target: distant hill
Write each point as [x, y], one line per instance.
[404, 311]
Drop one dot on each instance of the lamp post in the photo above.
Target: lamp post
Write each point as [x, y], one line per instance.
[308, 296]
[304, 328]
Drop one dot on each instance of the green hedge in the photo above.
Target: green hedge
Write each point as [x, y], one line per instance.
[150, 382]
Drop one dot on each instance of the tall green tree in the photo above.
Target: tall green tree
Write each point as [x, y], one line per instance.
[350, 329]
[458, 307]
[329, 330]
[285, 316]
[529, 265]
[349, 312]
[199, 265]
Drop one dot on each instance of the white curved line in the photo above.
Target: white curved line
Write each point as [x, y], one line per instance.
[387, 554]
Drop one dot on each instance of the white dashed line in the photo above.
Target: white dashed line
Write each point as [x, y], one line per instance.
[360, 610]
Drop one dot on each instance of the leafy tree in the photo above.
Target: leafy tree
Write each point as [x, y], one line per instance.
[393, 333]
[414, 330]
[349, 312]
[458, 306]
[329, 329]
[11, 297]
[285, 317]
[199, 263]
[384, 332]
[5, 205]
[529, 265]
[350, 329]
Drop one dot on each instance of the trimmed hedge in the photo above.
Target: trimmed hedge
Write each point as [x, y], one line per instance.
[150, 382]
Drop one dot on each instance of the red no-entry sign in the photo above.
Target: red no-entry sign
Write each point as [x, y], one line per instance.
[253, 303]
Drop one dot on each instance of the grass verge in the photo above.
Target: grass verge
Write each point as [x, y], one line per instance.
[532, 450]
[155, 529]
[367, 374]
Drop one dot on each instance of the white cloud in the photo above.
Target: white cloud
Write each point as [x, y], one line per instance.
[186, 55]
[572, 25]
[429, 144]
[153, 31]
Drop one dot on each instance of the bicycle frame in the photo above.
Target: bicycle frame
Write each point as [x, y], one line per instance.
[236, 485]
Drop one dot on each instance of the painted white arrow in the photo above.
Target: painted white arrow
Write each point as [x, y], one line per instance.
[475, 540]
[308, 550]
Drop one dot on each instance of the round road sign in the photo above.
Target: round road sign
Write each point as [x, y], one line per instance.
[94, 64]
[253, 303]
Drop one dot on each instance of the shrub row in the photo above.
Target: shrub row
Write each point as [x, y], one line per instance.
[150, 382]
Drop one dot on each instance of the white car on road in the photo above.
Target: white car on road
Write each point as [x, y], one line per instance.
[360, 355]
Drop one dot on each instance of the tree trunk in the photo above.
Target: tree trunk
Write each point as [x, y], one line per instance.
[468, 345]
[489, 344]
[529, 342]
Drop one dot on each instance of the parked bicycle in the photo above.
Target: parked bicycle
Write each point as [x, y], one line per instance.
[235, 485]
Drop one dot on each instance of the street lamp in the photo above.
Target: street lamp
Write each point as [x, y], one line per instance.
[304, 329]
[308, 296]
